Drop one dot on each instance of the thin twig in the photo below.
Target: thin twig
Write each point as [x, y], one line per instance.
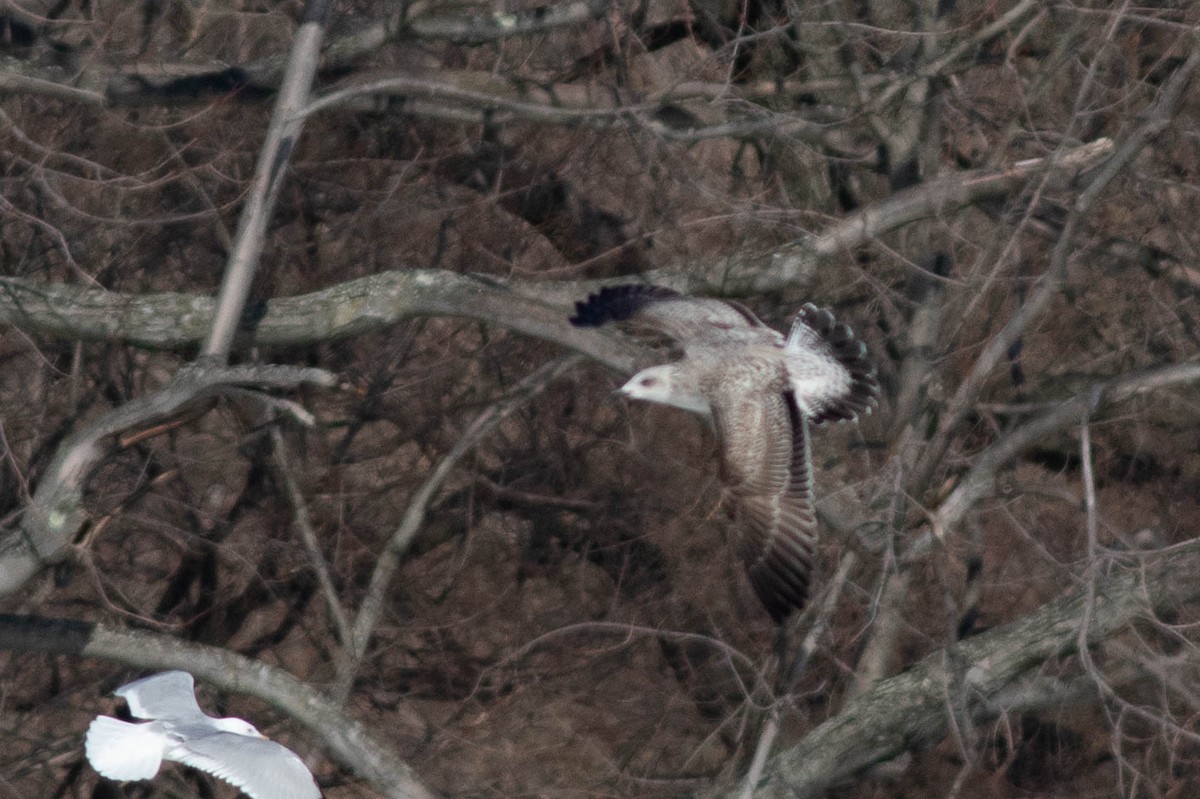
[285, 471]
[402, 537]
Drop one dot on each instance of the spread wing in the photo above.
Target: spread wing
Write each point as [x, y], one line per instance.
[766, 470]
[170, 695]
[123, 751]
[262, 769]
[655, 309]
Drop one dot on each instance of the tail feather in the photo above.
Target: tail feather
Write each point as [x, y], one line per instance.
[863, 391]
[123, 751]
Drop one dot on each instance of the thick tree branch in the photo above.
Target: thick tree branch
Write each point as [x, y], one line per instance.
[909, 711]
[163, 82]
[493, 26]
[714, 111]
[176, 321]
[172, 321]
[282, 133]
[55, 512]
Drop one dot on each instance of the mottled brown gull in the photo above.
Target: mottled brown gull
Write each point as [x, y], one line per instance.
[761, 391]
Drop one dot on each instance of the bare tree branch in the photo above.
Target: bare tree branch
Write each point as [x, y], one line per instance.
[170, 321]
[489, 27]
[909, 711]
[285, 471]
[968, 390]
[282, 133]
[55, 512]
[980, 480]
[164, 82]
[390, 558]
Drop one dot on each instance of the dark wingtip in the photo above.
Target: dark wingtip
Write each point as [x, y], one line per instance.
[616, 303]
[779, 598]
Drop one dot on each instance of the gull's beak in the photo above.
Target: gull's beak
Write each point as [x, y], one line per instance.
[623, 391]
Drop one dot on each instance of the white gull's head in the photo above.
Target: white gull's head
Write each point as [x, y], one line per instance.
[661, 384]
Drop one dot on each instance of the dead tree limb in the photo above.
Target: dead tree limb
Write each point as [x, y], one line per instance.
[175, 320]
[982, 674]
[390, 558]
[55, 513]
[980, 480]
[282, 133]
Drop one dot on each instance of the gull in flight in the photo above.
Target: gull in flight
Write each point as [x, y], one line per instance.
[231, 749]
[761, 392]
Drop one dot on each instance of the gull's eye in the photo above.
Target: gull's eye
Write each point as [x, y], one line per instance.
[648, 382]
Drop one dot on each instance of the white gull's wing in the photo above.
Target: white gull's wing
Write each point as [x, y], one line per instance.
[767, 474]
[262, 769]
[170, 695]
[123, 751]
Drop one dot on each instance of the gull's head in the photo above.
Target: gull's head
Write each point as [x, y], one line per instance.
[661, 384]
[239, 727]
[651, 385]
